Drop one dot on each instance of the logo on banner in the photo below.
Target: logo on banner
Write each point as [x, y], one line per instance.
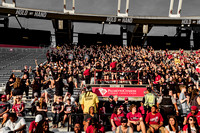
[102, 91]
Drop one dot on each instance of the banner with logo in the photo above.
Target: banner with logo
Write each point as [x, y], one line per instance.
[120, 91]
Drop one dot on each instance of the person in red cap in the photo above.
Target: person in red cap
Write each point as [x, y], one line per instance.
[4, 109]
[194, 112]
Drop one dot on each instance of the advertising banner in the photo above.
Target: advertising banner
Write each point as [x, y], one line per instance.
[120, 91]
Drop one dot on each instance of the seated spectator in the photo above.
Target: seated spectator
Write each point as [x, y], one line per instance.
[194, 112]
[88, 117]
[41, 108]
[95, 127]
[4, 109]
[77, 128]
[57, 110]
[154, 120]
[124, 128]
[34, 102]
[67, 112]
[122, 109]
[43, 127]
[135, 119]
[77, 110]
[69, 96]
[192, 126]
[116, 118]
[18, 107]
[16, 124]
[33, 124]
[172, 126]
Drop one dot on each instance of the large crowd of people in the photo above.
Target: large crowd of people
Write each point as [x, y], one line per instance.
[171, 103]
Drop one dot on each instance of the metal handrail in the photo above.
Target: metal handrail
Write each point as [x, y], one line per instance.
[115, 79]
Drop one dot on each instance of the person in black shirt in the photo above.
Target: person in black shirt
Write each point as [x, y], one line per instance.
[126, 105]
[110, 105]
[99, 71]
[9, 86]
[77, 110]
[17, 87]
[163, 85]
[59, 87]
[145, 79]
[68, 109]
[57, 110]
[171, 83]
[25, 71]
[70, 85]
[189, 83]
[12, 76]
[34, 102]
[25, 82]
[88, 117]
[36, 88]
[41, 108]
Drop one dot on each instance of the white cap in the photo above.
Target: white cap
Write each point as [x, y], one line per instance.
[38, 118]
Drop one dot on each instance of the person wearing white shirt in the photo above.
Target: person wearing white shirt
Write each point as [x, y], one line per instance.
[16, 124]
[69, 96]
[172, 126]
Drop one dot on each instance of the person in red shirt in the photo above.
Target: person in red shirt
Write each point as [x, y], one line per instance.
[95, 127]
[198, 68]
[34, 123]
[135, 119]
[113, 68]
[116, 117]
[154, 120]
[86, 75]
[18, 107]
[170, 56]
[157, 78]
[4, 109]
[194, 112]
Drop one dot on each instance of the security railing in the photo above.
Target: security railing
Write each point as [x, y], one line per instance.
[120, 76]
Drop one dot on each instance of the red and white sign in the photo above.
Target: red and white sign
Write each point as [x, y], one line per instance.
[121, 92]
